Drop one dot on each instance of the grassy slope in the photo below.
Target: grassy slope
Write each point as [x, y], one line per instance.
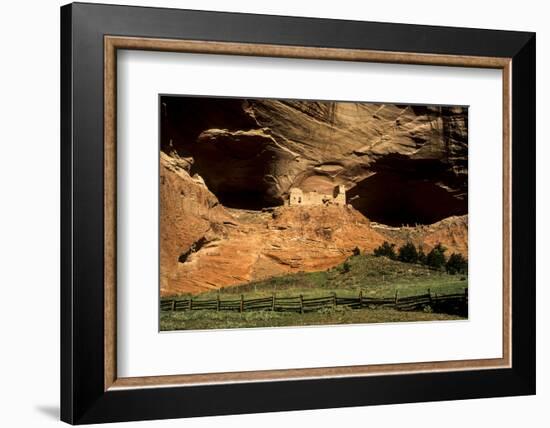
[375, 276]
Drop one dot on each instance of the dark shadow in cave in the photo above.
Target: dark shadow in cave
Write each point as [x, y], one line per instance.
[239, 169]
[253, 201]
[407, 192]
[183, 118]
[233, 168]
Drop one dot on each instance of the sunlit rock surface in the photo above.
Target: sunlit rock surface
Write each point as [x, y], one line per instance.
[224, 160]
[400, 164]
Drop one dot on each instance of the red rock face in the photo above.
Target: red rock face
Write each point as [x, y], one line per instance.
[206, 246]
[452, 232]
[227, 166]
[400, 164]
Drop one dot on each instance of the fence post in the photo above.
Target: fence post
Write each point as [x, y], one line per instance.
[218, 302]
[242, 303]
[430, 296]
[190, 303]
[301, 304]
[174, 305]
[334, 299]
[360, 298]
[272, 301]
[396, 299]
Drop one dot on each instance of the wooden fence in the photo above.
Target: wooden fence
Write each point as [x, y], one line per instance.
[448, 303]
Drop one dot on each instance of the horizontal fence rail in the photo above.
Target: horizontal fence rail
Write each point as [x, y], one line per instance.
[447, 303]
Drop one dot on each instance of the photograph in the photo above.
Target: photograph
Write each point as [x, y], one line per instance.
[296, 212]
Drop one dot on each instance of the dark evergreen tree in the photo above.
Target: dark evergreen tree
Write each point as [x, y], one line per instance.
[436, 257]
[386, 250]
[407, 253]
[456, 264]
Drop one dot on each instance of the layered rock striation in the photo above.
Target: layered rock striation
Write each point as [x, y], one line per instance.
[206, 246]
[228, 166]
[401, 164]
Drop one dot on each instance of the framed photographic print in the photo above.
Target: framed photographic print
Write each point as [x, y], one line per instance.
[266, 213]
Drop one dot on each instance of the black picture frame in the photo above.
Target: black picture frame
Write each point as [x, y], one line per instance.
[83, 397]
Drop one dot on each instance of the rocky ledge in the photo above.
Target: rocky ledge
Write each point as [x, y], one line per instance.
[205, 245]
[401, 164]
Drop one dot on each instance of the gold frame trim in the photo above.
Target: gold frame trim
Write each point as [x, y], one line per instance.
[113, 43]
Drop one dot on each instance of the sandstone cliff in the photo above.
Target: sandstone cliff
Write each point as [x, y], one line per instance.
[205, 245]
[400, 164]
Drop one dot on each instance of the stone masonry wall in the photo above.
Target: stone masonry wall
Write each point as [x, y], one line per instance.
[299, 198]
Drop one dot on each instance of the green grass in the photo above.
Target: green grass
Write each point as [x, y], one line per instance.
[199, 320]
[374, 276]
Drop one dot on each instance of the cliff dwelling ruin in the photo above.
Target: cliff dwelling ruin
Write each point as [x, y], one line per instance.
[297, 197]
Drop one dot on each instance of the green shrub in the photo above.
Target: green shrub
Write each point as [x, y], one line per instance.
[456, 264]
[436, 257]
[346, 267]
[407, 253]
[386, 250]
